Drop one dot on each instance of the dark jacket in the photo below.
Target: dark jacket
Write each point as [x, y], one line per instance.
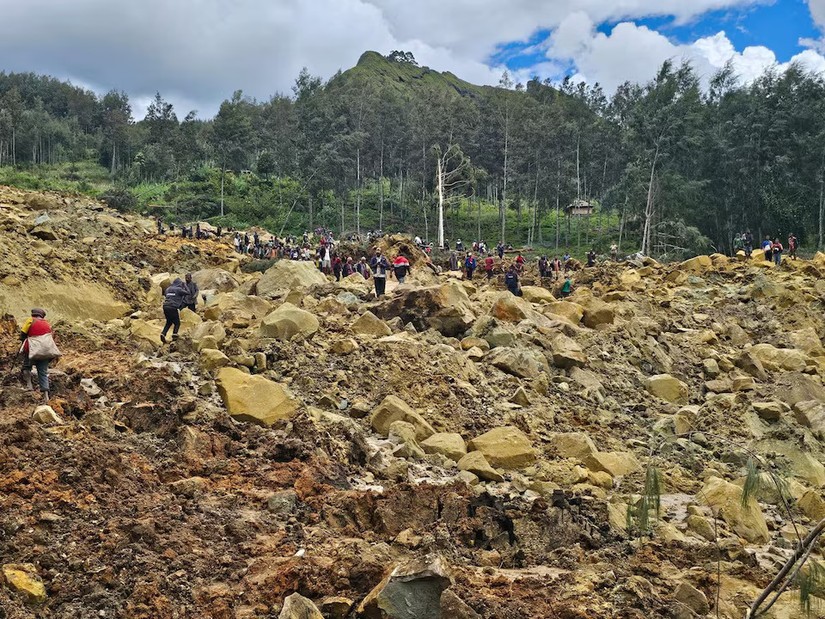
[175, 295]
[191, 293]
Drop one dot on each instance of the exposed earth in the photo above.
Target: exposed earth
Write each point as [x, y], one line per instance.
[448, 451]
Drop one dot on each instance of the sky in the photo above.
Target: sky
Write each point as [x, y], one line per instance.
[196, 53]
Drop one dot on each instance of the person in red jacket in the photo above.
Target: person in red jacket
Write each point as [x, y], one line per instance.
[33, 327]
[489, 264]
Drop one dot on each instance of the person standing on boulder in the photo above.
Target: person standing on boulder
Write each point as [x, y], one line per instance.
[380, 265]
[793, 245]
[747, 241]
[37, 349]
[489, 265]
[470, 265]
[500, 250]
[173, 301]
[363, 268]
[591, 258]
[400, 268]
[511, 281]
[453, 261]
[192, 292]
[776, 251]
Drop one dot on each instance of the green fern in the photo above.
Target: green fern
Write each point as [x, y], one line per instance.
[638, 516]
[753, 482]
[811, 586]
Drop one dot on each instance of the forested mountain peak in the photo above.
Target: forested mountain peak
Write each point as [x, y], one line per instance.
[401, 71]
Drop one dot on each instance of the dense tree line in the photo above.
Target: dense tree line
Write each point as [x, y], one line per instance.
[389, 144]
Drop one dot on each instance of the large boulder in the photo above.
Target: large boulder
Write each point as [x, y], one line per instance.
[288, 321]
[811, 414]
[537, 294]
[577, 445]
[524, 363]
[615, 463]
[566, 309]
[297, 606]
[510, 308]
[369, 324]
[449, 444]
[746, 519]
[411, 591]
[446, 308]
[236, 305]
[289, 275]
[566, 353]
[698, 264]
[215, 279]
[773, 358]
[393, 408]
[505, 447]
[254, 398]
[208, 334]
[475, 463]
[598, 313]
[795, 387]
[668, 388]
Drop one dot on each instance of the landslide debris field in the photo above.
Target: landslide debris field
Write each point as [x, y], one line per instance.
[449, 451]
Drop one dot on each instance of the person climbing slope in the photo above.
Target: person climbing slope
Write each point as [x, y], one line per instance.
[37, 349]
[173, 301]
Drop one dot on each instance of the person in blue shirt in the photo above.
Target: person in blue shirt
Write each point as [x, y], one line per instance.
[470, 265]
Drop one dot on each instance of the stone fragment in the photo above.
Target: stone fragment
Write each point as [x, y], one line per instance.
[691, 597]
[336, 607]
[403, 433]
[215, 279]
[566, 353]
[768, 411]
[297, 606]
[506, 447]
[393, 408]
[453, 607]
[46, 415]
[23, 579]
[520, 397]
[369, 324]
[668, 388]
[346, 346]
[811, 414]
[812, 505]
[288, 321]
[615, 463]
[254, 398]
[476, 463]
[524, 363]
[411, 591]
[537, 294]
[282, 502]
[211, 359]
[751, 364]
[746, 520]
[573, 445]
[566, 309]
[449, 444]
[598, 313]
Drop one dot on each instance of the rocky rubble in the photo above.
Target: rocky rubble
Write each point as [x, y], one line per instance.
[453, 451]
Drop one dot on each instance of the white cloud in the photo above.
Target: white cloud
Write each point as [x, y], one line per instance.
[197, 52]
[633, 53]
[817, 8]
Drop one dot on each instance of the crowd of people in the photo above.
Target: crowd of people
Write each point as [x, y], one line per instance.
[773, 250]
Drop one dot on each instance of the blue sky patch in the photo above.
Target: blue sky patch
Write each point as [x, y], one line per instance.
[778, 26]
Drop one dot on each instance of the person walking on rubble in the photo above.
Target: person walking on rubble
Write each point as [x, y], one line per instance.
[192, 291]
[380, 265]
[511, 281]
[173, 301]
[37, 349]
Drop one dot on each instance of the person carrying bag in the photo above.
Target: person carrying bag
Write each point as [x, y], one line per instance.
[38, 349]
